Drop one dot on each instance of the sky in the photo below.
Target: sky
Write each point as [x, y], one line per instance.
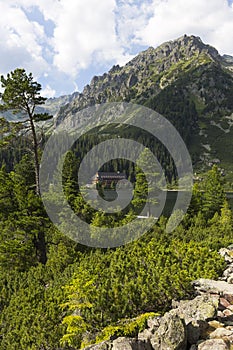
[64, 43]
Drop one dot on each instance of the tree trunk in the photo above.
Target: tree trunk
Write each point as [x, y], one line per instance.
[36, 157]
[40, 243]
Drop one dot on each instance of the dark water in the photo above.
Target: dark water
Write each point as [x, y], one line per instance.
[170, 200]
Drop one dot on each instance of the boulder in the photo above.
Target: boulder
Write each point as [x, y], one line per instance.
[213, 287]
[214, 344]
[201, 308]
[101, 346]
[221, 333]
[196, 313]
[123, 343]
[171, 334]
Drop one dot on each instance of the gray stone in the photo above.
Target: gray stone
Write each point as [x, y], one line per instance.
[214, 344]
[145, 335]
[101, 346]
[196, 313]
[123, 343]
[153, 322]
[171, 334]
[230, 279]
[228, 271]
[221, 333]
[211, 286]
[201, 308]
[196, 330]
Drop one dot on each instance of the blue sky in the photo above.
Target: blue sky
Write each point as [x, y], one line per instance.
[64, 43]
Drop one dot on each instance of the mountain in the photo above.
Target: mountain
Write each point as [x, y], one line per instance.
[51, 106]
[185, 80]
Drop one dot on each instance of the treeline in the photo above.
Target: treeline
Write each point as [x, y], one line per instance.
[15, 149]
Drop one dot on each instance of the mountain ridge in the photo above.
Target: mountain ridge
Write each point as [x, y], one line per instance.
[185, 80]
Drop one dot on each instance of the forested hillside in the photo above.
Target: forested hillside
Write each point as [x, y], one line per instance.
[69, 300]
[58, 294]
[185, 80]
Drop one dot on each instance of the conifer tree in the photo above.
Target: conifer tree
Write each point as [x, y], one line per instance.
[213, 195]
[22, 95]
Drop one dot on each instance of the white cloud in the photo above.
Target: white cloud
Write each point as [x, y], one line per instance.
[131, 16]
[84, 34]
[211, 20]
[92, 35]
[48, 91]
[19, 42]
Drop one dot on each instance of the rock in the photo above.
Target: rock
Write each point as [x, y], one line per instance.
[228, 297]
[129, 344]
[227, 253]
[230, 328]
[213, 287]
[220, 314]
[227, 313]
[171, 334]
[195, 313]
[223, 303]
[101, 346]
[230, 279]
[145, 335]
[132, 81]
[221, 333]
[215, 324]
[201, 308]
[193, 333]
[214, 344]
[230, 307]
[228, 271]
[153, 322]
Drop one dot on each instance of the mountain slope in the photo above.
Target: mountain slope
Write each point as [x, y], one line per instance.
[51, 106]
[185, 80]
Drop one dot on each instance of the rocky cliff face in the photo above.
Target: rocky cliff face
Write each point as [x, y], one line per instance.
[185, 80]
[146, 75]
[204, 323]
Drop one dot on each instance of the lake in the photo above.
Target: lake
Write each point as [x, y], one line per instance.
[170, 200]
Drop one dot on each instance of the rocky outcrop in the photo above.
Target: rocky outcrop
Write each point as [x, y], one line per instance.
[171, 333]
[145, 75]
[204, 323]
[186, 74]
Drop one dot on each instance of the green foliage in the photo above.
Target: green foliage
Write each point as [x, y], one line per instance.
[126, 328]
[208, 196]
[145, 190]
[143, 276]
[21, 92]
[214, 196]
[82, 295]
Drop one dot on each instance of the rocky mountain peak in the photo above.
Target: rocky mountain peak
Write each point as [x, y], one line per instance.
[145, 75]
[183, 47]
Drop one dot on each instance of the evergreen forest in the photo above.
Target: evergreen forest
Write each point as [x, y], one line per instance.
[56, 293]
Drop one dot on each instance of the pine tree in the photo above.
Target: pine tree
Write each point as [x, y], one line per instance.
[22, 95]
[213, 195]
[145, 191]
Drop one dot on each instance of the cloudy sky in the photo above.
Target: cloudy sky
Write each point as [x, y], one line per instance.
[64, 43]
